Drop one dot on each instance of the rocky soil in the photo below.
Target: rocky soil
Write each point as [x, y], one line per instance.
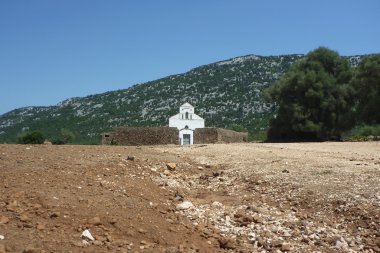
[314, 197]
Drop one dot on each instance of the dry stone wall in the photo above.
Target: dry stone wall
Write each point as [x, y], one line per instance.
[133, 136]
[218, 135]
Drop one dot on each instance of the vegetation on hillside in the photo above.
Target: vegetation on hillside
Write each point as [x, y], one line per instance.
[319, 98]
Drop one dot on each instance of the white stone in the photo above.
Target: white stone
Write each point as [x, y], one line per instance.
[216, 204]
[341, 244]
[2, 237]
[184, 205]
[251, 236]
[87, 235]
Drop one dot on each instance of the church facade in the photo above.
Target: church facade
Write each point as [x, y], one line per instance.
[186, 121]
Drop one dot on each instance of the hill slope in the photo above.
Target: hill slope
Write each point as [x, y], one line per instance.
[224, 93]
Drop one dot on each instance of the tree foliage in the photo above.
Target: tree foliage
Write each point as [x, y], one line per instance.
[367, 85]
[314, 99]
[35, 137]
[68, 135]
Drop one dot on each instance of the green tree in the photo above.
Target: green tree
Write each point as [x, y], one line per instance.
[237, 128]
[35, 137]
[67, 135]
[314, 98]
[367, 85]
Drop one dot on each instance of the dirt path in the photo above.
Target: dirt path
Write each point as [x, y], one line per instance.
[241, 198]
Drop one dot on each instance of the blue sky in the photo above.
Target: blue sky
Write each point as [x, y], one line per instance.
[51, 50]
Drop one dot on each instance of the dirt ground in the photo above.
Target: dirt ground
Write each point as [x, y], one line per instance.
[299, 197]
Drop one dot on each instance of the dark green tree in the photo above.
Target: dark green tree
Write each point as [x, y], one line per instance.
[314, 99]
[35, 137]
[367, 85]
[68, 135]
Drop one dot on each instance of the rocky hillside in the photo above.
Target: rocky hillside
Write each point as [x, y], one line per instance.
[225, 93]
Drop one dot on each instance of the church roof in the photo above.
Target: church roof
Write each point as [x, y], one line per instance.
[186, 105]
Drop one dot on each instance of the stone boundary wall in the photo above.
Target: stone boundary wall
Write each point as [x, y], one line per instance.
[230, 136]
[134, 136]
[218, 135]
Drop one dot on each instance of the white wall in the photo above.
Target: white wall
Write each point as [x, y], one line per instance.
[186, 121]
[182, 123]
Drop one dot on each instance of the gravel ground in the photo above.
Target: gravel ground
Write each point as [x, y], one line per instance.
[294, 197]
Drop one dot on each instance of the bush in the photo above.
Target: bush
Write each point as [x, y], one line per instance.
[258, 136]
[237, 128]
[58, 142]
[35, 137]
[361, 133]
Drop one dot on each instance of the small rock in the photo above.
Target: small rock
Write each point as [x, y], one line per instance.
[2, 237]
[142, 231]
[277, 243]
[131, 158]
[216, 204]
[226, 243]
[31, 249]
[184, 205]
[242, 218]
[254, 209]
[285, 247]
[171, 166]
[167, 173]
[4, 220]
[341, 244]
[55, 214]
[172, 250]
[251, 236]
[274, 229]
[87, 235]
[24, 218]
[40, 226]
[285, 171]
[215, 173]
[97, 243]
[95, 221]
[260, 241]
[101, 238]
[258, 219]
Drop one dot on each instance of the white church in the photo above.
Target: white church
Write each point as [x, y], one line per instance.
[186, 121]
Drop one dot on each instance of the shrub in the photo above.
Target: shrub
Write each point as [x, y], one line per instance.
[58, 142]
[361, 133]
[35, 137]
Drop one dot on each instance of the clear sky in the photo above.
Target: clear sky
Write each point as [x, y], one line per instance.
[51, 50]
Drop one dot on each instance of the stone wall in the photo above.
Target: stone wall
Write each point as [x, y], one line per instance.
[218, 135]
[229, 136]
[134, 136]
